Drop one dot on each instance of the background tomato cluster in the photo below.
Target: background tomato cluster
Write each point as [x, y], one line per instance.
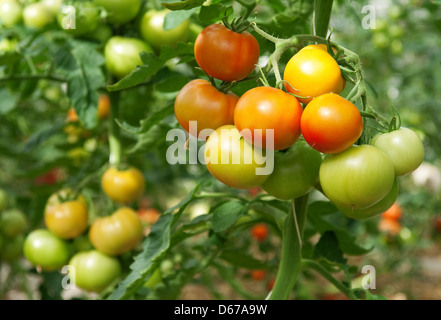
[200, 238]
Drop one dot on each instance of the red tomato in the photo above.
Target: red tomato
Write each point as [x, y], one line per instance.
[264, 108]
[199, 101]
[331, 124]
[225, 54]
[259, 232]
[258, 274]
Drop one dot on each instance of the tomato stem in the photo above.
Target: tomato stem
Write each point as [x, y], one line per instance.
[290, 262]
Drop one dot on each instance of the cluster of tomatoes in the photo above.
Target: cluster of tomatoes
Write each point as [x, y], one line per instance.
[311, 130]
[92, 257]
[13, 226]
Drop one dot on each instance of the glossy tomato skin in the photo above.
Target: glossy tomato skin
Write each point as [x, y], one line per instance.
[200, 101]
[312, 72]
[296, 172]
[357, 178]
[404, 148]
[224, 54]
[68, 219]
[12, 223]
[10, 12]
[117, 233]
[37, 16]
[240, 163]
[331, 124]
[153, 32]
[44, 249]
[123, 186]
[122, 55]
[120, 11]
[265, 108]
[94, 271]
[377, 209]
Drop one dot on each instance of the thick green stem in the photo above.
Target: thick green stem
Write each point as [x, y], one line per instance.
[290, 262]
[322, 16]
[114, 131]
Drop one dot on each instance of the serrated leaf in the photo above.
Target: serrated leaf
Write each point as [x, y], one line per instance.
[227, 214]
[154, 248]
[213, 13]
[149, 140]
[183, 5]
[242, 260]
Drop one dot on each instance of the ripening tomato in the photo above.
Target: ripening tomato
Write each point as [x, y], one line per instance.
[152, 29]
[149, 215]
[264, 108]
[295, 172]
[359, 177]
[44, 249]
[122, 55]
[103, 110]
[117, 233]
[312, 72]
[383, 205]
[66, 219]
[200, 101]
[391, 227]
[123, 185]
[93, 270]
[224, 54]
[259, 232]
[404, 148]
[234, 161]
[12, 223]
[395, 212]
[331, 124]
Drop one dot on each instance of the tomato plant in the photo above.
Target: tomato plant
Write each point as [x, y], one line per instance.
[117, 233]
[296, 172]
[263, 109]
[87, 18]
[3, 200]
[394, 212]
[10, 13]
[312, 72]
[45, 250]
[12, 249]
[36, 15]
[123, 185]
[404, 148]
[225, 54]
[13, 222]
[331, 124]
[94, 271]
[260, 232]
[153, 31]
[122, 55]
[232, 160]
[200, 101]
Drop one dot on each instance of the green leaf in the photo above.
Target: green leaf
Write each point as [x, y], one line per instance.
[183, 5]
[328, 248]
[242, 260]
[175, 18]
[324, 216]
[8, 101]
[214, 13]
[42, 135]
[149, 140]
[154, 248]
[227, 214]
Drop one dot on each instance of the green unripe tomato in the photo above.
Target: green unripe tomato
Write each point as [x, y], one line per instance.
[37, 16]
[10, 13]
[122, 55]
[375, 210]
[120, 11]
[295, 172]
[153, 32]
[94, 271]
[12, 248]
[12, 223]
[45, 250]
[87, 18]
[404, 148]
[52, 5]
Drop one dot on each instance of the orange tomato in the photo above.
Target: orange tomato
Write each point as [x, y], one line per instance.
[395, 212]
[258, 275]
[259, 231]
